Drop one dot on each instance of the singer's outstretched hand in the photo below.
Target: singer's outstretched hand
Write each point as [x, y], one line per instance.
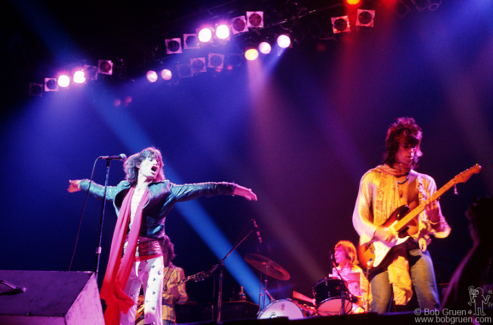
[74, 186]
[245, 192]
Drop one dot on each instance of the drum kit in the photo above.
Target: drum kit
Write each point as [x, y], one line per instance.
[331, 295]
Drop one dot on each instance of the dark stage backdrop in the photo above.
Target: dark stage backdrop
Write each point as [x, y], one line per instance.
[300, 131]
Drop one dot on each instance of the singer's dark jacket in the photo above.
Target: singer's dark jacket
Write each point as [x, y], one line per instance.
[162, 197]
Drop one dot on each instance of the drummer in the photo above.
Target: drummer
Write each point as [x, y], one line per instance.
[346, 258]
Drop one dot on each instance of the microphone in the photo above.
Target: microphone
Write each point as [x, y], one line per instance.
[258, 232]
[332, 261]
[121, 156]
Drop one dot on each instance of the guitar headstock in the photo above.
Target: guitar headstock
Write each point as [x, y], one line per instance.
[201, 276]
[465, 175]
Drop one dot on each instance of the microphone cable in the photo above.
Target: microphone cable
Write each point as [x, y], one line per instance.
[82, 213]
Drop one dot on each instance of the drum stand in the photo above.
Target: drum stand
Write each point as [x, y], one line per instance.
[262, 296]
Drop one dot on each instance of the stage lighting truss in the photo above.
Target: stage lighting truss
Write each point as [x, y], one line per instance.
[198, 65]
[365, 17]
[173, 46]
[340, 24]
[105, 67]
[36, 89]
[216, 61]
[191, 41]
[239, 25]
[255, 19]
[50, 84]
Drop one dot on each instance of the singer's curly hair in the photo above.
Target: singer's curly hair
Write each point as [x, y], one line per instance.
[350, 251]
[404, 128]
[131, 164]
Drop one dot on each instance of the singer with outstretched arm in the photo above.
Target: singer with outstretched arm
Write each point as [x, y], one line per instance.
[142, 202]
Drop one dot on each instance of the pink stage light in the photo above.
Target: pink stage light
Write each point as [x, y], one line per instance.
[166, 74]
[222, 31]
[283, 41]
[63, 81]
[264, 48]
[151, 76]
[205, 35]
[79, 77]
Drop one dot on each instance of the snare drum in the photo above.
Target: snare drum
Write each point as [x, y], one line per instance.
[282, 308]
[327, 293]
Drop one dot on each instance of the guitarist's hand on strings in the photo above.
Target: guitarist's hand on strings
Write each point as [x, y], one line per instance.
[385, 234]
[173, 290]
[433, 211]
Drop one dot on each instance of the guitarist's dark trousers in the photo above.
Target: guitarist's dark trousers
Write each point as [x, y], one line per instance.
[422, 277]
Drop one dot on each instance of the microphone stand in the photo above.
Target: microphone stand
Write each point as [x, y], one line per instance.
[220, 290]
[98, 249]
[343, 293]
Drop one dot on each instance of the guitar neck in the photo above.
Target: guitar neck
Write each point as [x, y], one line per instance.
[416, 211]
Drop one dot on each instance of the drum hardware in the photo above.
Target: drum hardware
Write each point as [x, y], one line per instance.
[282, 308]
[269, 268]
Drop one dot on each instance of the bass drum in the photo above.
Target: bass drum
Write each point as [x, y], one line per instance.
[282, 308]
[327, 293]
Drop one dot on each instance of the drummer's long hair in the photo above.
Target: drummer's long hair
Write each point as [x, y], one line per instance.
[350, 251]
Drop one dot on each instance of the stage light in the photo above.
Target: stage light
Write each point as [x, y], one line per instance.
[251, 54]
[198, 65]
[222, 31]
[205, 35]
[421, 4]
[264, 48]
[173, 45]
[340, 24]
[151, 76]
[166, 74]
[184, 70]
[365, 18]
[399, 8]
[90, 72]
[50, 84]
[35, 89]
[79, 77]
[283, 41]
[239, 25]
[216, 61]
[190, 41]
[105, 67]
[352, 2]
[63, 81]
[255, 19]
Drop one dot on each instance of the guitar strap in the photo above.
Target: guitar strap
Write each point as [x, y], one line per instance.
[168, 274]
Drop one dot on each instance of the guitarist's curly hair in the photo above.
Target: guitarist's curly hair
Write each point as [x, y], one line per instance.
[403, 128]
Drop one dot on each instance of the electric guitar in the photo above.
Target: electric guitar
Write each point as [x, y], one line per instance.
[375, 251]
[201, 276]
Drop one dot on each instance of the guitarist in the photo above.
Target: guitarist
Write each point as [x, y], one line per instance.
[382, 190]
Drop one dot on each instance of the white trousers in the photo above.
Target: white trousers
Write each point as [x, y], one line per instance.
[149, 275]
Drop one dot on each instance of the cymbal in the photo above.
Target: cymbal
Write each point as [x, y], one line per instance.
[267, 266]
